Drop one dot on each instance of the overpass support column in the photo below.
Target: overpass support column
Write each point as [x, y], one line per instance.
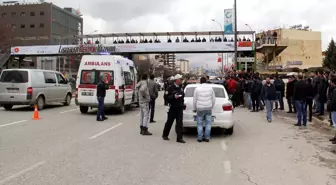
[274, 63]
[266, 55]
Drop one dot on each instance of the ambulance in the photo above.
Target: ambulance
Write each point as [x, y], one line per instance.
[122, 78]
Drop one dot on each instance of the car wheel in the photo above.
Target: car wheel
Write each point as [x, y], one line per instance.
[67, 100]
[229, 131]
[40, 102]
[8, 107]
[83, 109]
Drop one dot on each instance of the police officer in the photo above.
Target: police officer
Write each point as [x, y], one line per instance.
[175, 97]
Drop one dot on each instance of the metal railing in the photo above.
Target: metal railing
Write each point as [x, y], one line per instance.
[271, 40]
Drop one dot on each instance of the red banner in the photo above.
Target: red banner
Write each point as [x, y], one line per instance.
[245, 44]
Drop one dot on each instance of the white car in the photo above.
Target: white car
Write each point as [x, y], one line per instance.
[222, 113]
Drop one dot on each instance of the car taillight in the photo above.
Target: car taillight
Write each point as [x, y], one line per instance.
[116, 94]
[184, 106]
[227, 107]
[76, 95]
[30, 90]
[29, 93]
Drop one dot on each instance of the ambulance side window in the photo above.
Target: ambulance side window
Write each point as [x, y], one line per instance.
[128, 78]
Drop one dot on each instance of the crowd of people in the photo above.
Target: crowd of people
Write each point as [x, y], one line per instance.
[305, 94]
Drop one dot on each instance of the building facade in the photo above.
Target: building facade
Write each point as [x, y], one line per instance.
[304, 49]
[182, 66]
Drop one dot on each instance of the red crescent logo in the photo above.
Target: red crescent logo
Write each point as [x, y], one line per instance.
[16, 50]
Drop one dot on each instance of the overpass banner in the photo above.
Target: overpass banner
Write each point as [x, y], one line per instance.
[228, 21]
[190, 47]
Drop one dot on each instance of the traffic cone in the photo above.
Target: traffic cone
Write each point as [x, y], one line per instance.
[36, 114]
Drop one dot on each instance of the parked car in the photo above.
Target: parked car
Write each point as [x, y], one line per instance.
[33, 86]
[222, 113]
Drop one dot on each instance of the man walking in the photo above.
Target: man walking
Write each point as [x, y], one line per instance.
[144, 100]
[101, 93]
[204, 100]
[175, 98]
[300, 96]
[154, 93]
[269, 96]
[256, 91]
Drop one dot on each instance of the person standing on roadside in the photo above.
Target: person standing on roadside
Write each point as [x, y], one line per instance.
[256, 91]
[280, 89]
[300, 96]
[289, 95]
[144, 99]
[101, 93]
[204, 100]
[175, 98]
[332, 109]
[153, 93]
[310, 98]
[268, 94]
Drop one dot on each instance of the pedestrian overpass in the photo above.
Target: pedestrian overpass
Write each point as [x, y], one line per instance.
[201, 42]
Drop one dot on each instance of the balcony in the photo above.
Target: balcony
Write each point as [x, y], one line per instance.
[271, 47]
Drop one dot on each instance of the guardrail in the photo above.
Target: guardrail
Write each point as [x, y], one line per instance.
[272, 40]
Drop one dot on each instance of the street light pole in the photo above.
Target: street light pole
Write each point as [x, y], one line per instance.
[222, 57]
[235, 34]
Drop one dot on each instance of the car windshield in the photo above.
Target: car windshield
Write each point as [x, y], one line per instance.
[219, 92]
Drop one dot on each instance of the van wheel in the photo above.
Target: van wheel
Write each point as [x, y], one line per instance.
[8, 107]
[122, 108]
[67, 100]
[229, 131]
[40, 102]
[83, 109]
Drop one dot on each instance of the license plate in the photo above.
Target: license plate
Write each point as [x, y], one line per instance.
[87, 93]
[212, 118]
[12, 90]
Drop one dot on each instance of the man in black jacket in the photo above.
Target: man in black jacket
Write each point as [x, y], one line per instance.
[289, 95]
[101, 93]
[268, 94]
[280, 89]
[332, 108]
[255, 94]
[175, 98]
[300, 96]
[322, 94]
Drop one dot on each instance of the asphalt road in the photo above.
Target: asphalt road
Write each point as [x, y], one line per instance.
[66, 147]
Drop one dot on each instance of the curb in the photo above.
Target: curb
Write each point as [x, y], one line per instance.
[325, 123]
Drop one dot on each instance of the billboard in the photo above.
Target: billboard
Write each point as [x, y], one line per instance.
[228, 21]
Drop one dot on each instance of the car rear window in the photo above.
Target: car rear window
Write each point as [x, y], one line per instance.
[14, 77]
[92, 76]
[219, 92]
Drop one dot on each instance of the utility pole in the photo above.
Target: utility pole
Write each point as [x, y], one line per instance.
[235, 34]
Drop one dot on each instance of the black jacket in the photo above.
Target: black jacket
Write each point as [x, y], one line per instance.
[268, 92]
[301, 91]
[322, 90]
[289, 89]
[101, 89]
[332, 104]
[279, 85]
[310, 91]
[172, 91]
[256, 87]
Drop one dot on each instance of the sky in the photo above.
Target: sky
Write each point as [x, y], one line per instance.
[112, 16]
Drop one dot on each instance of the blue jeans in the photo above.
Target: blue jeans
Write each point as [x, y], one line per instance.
[318, 104]
[301, 112]
[269, 108]
[249, 101]
[100, 112]
[204, 115]
[333, 119]
[280, 100]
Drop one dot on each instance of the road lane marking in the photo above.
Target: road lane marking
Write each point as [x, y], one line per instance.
[22, 172]
[13, 123]
[223, 145]
[71, 110]
[107, 130]
[227, 167]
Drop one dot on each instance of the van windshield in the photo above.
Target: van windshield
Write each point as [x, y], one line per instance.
[92, 76]
[14, 77]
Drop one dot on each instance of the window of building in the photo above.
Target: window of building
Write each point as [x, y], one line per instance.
[13, 26]
[42, 25]
[3, 15]
[32, 26]
[13, 14]
[41, 13]
[23, 26]
[23, 14]
[32, 13]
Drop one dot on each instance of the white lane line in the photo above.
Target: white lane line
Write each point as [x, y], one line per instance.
[103, 132]
[224, 145]
[227, 167]
[22, 172]
[71, 110]
[13, 123]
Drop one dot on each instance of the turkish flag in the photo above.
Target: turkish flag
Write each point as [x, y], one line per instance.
[219, 59]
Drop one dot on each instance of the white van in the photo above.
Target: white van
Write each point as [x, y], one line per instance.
[122, 78]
